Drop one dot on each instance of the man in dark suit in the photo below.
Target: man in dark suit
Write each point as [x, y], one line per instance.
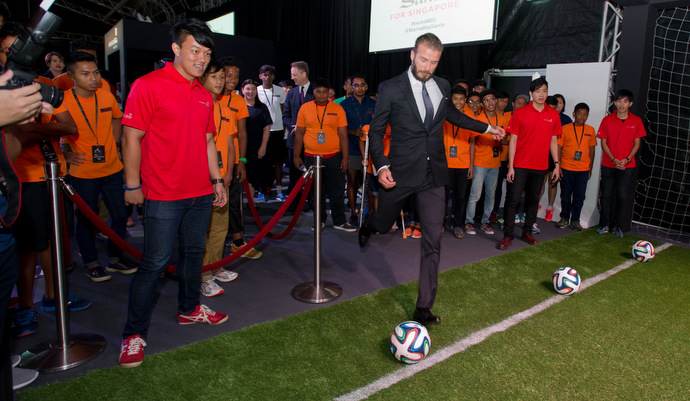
[296, 97]
[415, 104]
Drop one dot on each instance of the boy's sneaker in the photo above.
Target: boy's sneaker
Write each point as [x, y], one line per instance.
[517, 217]
[347, 227]
[469, 229]
[281, 197]
[408, 230]
[24, 322]
[211, 289]
[487, 229]
[354, 220]
[97, 274]
[562, 223]
[394, 227]
[250, 254]
[493, 218]
[549, 214]
[575, 225]
[417, 232]
[202, 314]
[260, 198]
[617, 232]
[224, 276]
[459, 234]
[535, 229]
[522, 218]
[122, 266]
[132, 351]
[603, 230]
[74, 304]
[322, 226]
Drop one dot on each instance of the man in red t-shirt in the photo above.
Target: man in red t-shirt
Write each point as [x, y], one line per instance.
[168, 142]
[534, 130]
[620, 134]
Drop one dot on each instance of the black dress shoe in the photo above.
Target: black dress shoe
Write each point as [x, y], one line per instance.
[363, 235]
[424, 316]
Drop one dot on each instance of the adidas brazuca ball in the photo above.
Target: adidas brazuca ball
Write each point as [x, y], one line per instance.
[410, 342]
[566, 281]
[643, 251]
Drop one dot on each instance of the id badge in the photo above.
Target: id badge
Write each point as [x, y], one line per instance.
[98, 153]
[321, 138]
[496, 151]
[220, 160]
[453, 151]
[48, 151]
[578, 156]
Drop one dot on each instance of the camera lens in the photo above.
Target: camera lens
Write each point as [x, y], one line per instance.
[51, 94]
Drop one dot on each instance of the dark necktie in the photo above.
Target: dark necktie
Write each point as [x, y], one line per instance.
[301, 94]
[428, 106]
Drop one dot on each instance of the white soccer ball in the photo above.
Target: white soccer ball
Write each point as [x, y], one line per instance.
[566, 281]
[643, 251]
[410, 342]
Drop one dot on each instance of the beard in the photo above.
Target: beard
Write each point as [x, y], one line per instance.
[421, 76]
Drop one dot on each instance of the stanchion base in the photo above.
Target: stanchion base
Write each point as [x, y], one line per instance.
[307, 292]
[51, 357]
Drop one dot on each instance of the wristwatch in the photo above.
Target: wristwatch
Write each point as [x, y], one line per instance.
[215, 181]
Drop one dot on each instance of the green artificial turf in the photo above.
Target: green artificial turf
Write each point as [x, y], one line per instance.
[604, 333]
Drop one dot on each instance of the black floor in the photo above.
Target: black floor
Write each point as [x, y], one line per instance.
[263, 290]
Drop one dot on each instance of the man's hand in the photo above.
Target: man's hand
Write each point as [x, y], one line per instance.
[297, 161]
[497, 132]
[386, 178]
[241, 173]
[557, 173]
[220, 195]
[470, 173]
[344, 164]
[18, 105]
[510, 176]
[75, 158]
[134, 197]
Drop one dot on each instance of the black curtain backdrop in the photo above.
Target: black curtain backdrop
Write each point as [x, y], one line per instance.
[333, 37]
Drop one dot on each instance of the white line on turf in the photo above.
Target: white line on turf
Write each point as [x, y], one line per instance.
[474, 338]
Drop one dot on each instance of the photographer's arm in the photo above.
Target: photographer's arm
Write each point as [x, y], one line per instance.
[23, 135]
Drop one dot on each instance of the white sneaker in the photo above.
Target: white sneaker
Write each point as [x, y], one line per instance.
[224, 276]
[211, 289]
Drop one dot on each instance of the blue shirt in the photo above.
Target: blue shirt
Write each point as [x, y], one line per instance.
[6, 238]
[358, 115]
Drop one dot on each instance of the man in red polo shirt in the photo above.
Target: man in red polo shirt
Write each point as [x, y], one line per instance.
[534, 131]
[168, 142]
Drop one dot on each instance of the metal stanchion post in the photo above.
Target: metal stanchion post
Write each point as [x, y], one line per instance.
[68, 351]
[317, 291]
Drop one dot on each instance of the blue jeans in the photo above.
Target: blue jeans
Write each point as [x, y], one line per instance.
[110, 188]
[610, 178]
[573, 189]
[486, 178]
[184, 219]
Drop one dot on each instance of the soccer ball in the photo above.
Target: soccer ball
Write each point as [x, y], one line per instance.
[410, 342]
[643, 251]
[566, 281]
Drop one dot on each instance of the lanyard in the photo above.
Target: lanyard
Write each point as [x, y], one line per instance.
[354, 103]
[579, 141]
[455, 133]
[488, 119]
[268, 100]
[84, 114]
[220, 123]
[322, 116]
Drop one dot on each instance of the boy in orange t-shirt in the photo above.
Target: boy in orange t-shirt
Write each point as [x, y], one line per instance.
[322, 130]
[95, 168]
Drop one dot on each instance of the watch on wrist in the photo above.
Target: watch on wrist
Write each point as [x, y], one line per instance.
[215, 181]
[628, 159]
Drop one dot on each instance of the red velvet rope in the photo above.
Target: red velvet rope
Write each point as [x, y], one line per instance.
[295, 217]
[122, 244]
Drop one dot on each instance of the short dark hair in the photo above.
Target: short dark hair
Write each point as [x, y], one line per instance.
[429, 40]
[552, 101]
[321, 83]
[461, 81]
[197, 28]
[267, 68]
[559, 96]
[623, 93]
[4, 10]
[360, 76]
[230, 61]
[502, 95]
[78, 57]
[213, 66]
[10, 28]
[479, 82]
[348, 78]
[581, 106]
[538, 83]
[487, 92]
[286, 82]
[301, 65]
[473, 93]
[81, 44]
[458, 90]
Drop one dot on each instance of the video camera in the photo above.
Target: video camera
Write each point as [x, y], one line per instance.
[27, 49]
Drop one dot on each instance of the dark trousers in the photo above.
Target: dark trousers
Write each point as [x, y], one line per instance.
[295, 173]
[573, 189]
[431, 201]
[530, 181]
[458, 180]
[235, 219]
[614, 183]
[502, 172]
[9, 271]
[333, 185]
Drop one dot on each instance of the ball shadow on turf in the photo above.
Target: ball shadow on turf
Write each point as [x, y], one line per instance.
[549, 286]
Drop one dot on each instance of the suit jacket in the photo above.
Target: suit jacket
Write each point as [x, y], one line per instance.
[411, 144]
[291, 108]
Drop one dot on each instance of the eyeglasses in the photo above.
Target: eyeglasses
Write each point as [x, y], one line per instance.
[473, 101]
[359, 85]
[489, 100]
